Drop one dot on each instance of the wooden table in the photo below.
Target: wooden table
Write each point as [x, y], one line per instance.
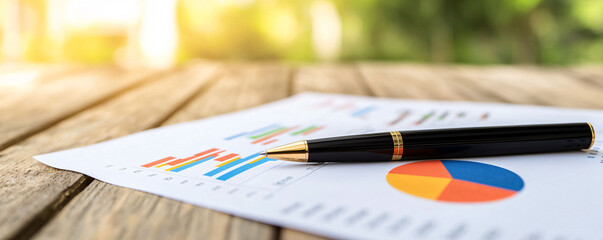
[46, 108]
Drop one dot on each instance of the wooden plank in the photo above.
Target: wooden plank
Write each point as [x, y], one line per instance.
[513, 84]
[105, 211]
[290, 234]
[27, 111]
[591, 74]
[241, 86]
[25, 77]
[532, 85]
[570, 90]
[8, 70]
[343, 79]
[32, 193]
[415, 81]
[22, 81]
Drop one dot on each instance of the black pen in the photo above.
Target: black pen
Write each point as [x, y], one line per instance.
[440, 143]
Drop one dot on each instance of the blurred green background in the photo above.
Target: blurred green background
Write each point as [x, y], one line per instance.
[161, 33]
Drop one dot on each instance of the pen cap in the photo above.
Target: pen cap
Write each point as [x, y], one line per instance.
[492, 141]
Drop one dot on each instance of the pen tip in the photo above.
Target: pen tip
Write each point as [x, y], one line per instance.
[263, 154]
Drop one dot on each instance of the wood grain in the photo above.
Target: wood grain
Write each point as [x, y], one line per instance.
[344, 79]
[532, 85]
[32, 192]
[25, 112]
[108, 211]
[410, 81]
[591, 74]
[511, 84]
[16, 79]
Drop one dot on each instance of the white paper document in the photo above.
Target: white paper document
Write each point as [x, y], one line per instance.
[214, 163]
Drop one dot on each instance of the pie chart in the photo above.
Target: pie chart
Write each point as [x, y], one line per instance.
[455, 181]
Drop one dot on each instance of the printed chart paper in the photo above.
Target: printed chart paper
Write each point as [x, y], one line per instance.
[214, 163]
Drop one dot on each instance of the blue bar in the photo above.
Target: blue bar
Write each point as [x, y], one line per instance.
[192, 164]
[243, 168]
[363, 111]
[232, 164]
[235, 136]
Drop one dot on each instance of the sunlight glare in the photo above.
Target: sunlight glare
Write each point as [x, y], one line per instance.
[326, 30]
[158, 34]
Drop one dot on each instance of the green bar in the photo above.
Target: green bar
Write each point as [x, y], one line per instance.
[303, 130]
[266, 133]
[426, 116]
[443, 116]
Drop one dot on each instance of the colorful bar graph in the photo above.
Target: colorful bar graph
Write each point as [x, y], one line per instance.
[267, 133]
[273, 135]
[216, 154]
[191, 164]
[424, 118]
[224, 167]
[244, 168]
[400, 118]
[312, 130]
[178, 161]
[158, 162]
[303, 130]
[259, 130]
[232, 163]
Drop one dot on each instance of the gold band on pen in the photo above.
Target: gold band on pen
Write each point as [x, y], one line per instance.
[398, 145]
[296, 152]
[592, 132]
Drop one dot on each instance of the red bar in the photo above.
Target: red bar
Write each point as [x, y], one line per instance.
[229, 156]
[215, 154]
[274, 135]
[312, 130]
[210, 155]
[178, 161]
[195, 158]
[158, 162]
[271, 141]
[400, 118]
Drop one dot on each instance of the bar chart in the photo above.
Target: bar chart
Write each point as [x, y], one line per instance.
[416, 118]
[410, 115]
[268, 134]
[347, 108]
[213, 163]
